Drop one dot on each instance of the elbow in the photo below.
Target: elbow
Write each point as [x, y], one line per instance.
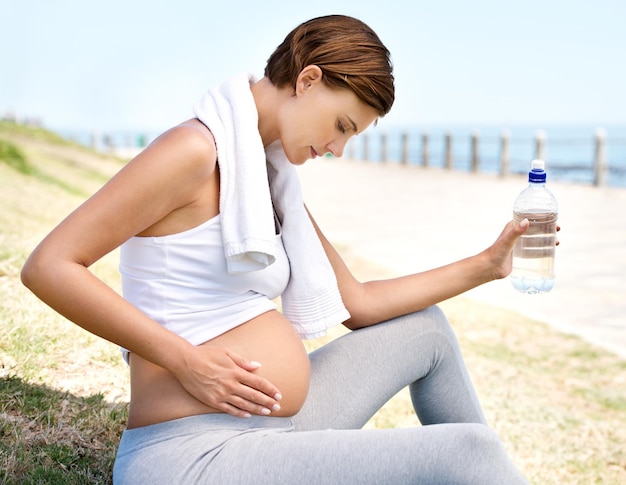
[357, 304]
[358, 319]
[36, 271]
[29, 273]
[354, 323]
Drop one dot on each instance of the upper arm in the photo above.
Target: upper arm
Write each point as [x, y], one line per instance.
[166, 176]
[353, 292]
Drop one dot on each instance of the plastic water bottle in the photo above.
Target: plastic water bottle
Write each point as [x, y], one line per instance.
[533, 254]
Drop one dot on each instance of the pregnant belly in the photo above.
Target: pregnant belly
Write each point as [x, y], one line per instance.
[157, 396]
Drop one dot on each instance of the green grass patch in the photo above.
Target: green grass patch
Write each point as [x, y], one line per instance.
[48, 158]
[53, 437]
[35, 133]
[63, 392]
[14, 158]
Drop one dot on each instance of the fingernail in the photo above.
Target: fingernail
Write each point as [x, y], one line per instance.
[265, 411]
[524, 223]
[254, 363]
[247, 415]
[278, 396]
[276, 407]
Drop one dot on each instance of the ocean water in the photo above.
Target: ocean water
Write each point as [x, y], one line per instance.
[569, 151]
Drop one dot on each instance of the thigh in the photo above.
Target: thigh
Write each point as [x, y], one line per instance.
[219, 449]
[184, 450]
[353, 376]
[438, 454]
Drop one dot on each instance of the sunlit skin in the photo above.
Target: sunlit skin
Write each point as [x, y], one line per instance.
[312, 119]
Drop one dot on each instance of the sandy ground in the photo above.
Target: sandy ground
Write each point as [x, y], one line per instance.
[409, 219]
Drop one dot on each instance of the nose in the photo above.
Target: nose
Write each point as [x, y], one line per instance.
[336, 148]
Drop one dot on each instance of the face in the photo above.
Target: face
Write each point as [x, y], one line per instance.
[318, 120]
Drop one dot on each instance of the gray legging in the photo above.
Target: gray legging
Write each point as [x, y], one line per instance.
[352, 377]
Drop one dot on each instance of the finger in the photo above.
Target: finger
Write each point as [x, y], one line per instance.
[558, 228]
[523, 225]
[514, 229]
[255, 381]
[243, 401]
[260, 390]
[249, 365]
[249, 404]
[234, 411]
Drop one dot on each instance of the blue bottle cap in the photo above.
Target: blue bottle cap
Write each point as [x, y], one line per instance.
[537, 172]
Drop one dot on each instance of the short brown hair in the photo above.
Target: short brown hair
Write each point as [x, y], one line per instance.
[348, 52]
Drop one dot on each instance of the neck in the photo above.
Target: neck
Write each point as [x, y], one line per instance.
[268, 99]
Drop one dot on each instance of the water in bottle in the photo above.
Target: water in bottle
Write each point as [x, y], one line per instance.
[533, 254]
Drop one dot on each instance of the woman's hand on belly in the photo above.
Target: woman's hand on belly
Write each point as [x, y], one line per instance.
[226, 382]
[220, 376]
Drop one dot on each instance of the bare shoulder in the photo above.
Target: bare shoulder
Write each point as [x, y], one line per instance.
[190, 145]
[192, 132]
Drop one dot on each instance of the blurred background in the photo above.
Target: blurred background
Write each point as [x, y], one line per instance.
[115, 74]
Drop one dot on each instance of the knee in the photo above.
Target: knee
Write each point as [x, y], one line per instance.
[428, 328]
[434, 320]
[480, 442]
[429, 321]
[477, 435]
[435, 314]
[485, 457]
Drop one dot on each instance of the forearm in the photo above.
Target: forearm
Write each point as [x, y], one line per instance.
[74, 292]
[376, 301]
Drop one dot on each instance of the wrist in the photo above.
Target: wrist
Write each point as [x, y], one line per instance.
[181, 360]
[179, 356]
[487, 269]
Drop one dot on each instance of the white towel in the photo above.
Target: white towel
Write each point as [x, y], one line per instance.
[311, 301]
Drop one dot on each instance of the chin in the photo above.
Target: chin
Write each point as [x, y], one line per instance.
[298, 158]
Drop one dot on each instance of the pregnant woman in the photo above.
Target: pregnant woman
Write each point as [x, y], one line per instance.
[213, 229]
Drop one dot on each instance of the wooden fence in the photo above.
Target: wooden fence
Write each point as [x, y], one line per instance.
[598, 166]
[595, 170]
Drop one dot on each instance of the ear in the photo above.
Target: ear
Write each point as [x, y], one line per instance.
[309, 77]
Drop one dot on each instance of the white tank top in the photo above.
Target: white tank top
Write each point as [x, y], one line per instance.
[180, 280]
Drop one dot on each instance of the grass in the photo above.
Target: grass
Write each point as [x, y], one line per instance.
[52, 436]
[558, 402]
[63, 392]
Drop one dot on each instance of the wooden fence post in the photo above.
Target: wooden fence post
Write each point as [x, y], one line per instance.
[475, 160]
[383, 147]
[599, 162]
[540, 145]
[351, 151]
[600, 166]
[95, 141]
[366, 155]
[425, 149]
[405, 148]
[448, 154]
[504, 153]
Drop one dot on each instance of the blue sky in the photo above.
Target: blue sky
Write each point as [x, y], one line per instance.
[141, 64]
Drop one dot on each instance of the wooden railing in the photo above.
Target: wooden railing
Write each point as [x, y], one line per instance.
[597, 167]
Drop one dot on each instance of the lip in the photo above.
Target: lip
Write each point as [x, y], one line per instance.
[314, 153]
